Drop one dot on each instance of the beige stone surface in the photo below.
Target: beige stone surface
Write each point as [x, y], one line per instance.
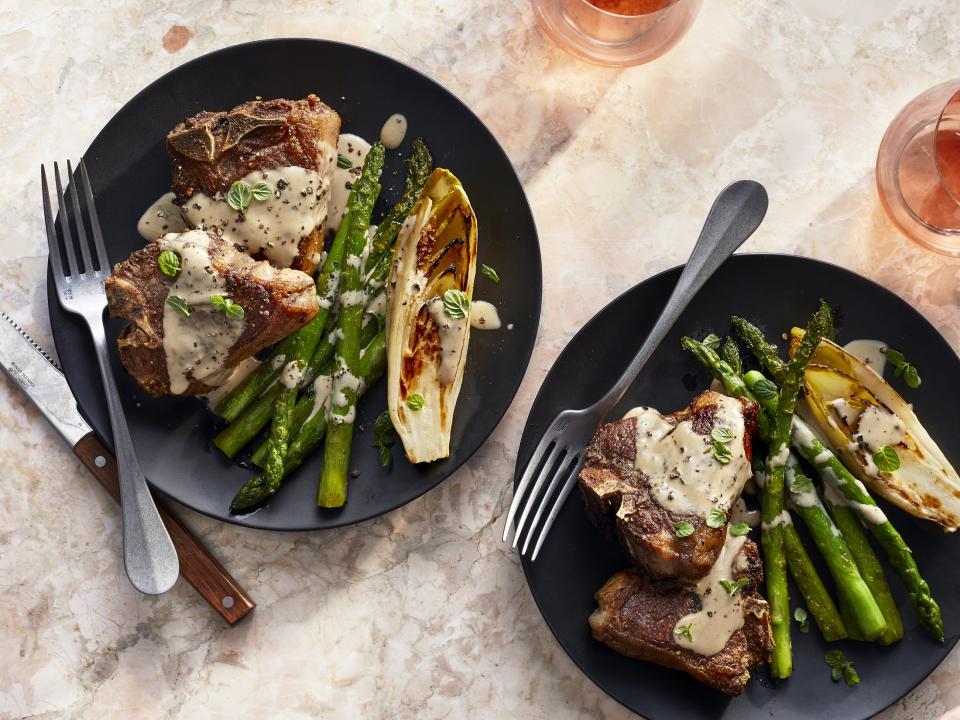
[424, 613]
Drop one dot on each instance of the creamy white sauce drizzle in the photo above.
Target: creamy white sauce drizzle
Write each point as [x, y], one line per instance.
[378, 305]
[343, 380]
[354, 148]
[875, 428]
[822, 457]
[879, 427]
[296, 207]
[683, 474]
[808, 498]
[161, 218]
[196, 346]
[326, 300]
[844, 410]
[741, 513]
[322, 386]
[452, 340]
[782, 519]
[832, 495]
[780, 459]
[721, 614]
[870, 353]
[352, 297]
[239, 374]
[393, 132]
[292, 375]
[484, 315]
[803, 436]
[869, 513]
[371, 231]
[866, 459]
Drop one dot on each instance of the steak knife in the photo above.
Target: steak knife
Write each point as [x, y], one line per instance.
[40, 378]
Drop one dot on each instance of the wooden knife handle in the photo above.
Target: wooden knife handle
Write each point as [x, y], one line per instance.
[197, 566]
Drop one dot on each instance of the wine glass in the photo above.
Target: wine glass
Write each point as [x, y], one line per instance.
[918, 169]
[616, 32]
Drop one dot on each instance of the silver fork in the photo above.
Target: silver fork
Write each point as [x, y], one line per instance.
[148, 553]
[559, 455]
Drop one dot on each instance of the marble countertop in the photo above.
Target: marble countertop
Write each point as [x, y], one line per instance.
[424, 613]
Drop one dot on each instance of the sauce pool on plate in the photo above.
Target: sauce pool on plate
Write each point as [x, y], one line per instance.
[870, 353]
[162, 217]
[394, 131]
[484, 315]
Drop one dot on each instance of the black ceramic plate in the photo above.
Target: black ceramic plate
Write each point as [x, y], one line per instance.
[129, 169]
[777, 292]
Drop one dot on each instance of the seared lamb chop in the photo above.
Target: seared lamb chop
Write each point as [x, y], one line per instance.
[180, 338]
[659, 622]
[647, 472]
[289, 146]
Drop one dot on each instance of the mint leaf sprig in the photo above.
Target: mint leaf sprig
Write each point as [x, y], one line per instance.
[241, 194]
[722, 436]
[886, 459]
[734, 586]
[456, 304]
[902, 368]
[384, 438]
[717, 517]
[841, 668]
[232, 310]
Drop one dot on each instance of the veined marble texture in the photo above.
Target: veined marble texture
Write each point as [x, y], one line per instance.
[424, 613]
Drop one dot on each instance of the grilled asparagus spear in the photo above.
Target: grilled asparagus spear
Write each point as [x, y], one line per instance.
[815, 594]
[372, 363]
[332, 491]
[843, 489]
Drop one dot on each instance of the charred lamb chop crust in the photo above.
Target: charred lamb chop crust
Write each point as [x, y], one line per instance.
[637, 617]
[619, 501]
[211, 150]
[275, 302]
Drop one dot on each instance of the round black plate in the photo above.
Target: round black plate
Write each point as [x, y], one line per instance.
[777, 292]
[129, 169]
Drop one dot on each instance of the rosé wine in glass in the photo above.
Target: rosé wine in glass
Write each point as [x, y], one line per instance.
[616, 32]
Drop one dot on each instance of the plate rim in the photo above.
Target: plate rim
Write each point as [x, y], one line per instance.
[249, 520]
[949, 645]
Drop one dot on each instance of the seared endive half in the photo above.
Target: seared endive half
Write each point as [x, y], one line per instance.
[859, 414]
[428, 317]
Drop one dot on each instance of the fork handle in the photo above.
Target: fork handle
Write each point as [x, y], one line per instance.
[736, 213]
[149, 556]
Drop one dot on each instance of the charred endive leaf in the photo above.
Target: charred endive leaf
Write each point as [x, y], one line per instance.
[864, 419]
[436, 253]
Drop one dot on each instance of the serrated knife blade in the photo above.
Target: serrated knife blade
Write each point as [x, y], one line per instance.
[36, 372]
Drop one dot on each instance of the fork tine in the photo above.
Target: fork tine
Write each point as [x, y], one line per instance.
[557, 506]
[65, 224]
[525, 479]
[104, 261]
[547, 497]
[52, 244]
[554, 459]
[78, 216]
